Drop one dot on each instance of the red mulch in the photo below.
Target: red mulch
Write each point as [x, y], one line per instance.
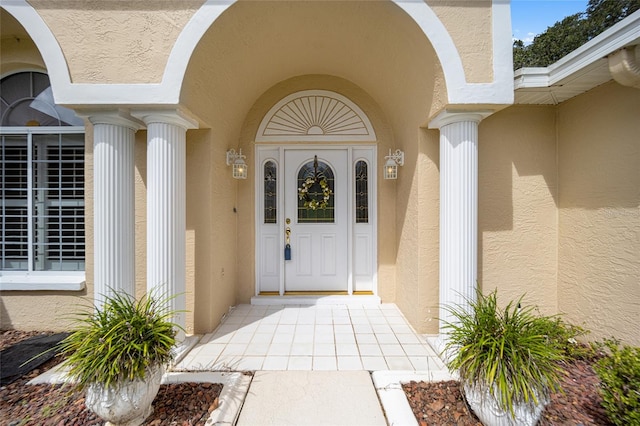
[581, 404]
[183, 404]
[189, 404]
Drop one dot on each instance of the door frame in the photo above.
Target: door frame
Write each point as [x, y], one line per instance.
[355, 152]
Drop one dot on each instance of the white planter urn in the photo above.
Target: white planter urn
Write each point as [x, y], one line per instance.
[127, 403]
[490, 414]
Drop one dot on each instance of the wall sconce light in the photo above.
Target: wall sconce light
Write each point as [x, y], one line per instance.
[239, 166]
[394, 160]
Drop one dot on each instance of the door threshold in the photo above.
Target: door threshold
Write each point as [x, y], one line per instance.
[316, 298]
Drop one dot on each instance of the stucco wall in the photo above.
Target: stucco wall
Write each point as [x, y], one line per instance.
[418, 208]
[116, 41]
[599, 199]
[19, 52]
[469, 23]
[130, 42]
[517, 215]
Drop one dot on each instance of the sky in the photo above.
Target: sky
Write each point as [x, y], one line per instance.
[532, 17]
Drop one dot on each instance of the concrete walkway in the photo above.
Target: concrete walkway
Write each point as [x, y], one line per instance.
[328, 365]
[313, 364]
[312, 337]
[291, 398]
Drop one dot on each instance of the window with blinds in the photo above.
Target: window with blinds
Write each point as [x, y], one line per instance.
[42, 189]
[42, 220]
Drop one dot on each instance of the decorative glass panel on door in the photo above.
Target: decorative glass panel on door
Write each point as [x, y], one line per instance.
[362, 192]
[316, 198]
[270, 193]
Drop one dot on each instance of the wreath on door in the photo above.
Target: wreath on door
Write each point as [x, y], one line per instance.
[305, 194]
[305, 191]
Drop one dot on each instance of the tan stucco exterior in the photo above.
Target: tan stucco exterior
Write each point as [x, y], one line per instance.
[468, 22]
[517, 213]
[599, 211]
[19, 52]
[140, 34]
[558, 186]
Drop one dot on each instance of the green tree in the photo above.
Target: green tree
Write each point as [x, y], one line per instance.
[603, 14]
[572, 32]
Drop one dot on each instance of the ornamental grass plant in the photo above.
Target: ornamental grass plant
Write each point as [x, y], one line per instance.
[505, 351]
[121, 341]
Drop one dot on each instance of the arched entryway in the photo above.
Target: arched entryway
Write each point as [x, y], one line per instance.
[316, 193]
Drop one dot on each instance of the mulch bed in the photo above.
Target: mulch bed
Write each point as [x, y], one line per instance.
[442, 403]
[183, 404]
[189, 404]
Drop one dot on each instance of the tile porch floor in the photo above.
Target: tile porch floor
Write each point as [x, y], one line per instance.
[312, 337]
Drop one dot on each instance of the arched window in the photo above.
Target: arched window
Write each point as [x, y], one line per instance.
[316, 194]
[41, 179]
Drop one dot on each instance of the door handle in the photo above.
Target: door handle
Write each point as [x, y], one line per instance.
[287, 247]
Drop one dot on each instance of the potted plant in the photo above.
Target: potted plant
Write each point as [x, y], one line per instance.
[507, 364]
[118, 353]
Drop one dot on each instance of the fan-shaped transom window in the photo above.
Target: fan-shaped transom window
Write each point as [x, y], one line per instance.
[26, 99]
[315, 115]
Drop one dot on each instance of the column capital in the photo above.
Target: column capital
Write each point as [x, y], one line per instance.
[175, 116]
[448, 116]
[117, 117]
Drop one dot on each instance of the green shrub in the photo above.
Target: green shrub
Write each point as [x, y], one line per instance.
[619, 373]
[120, 341]
[565, 336]
[506, 351]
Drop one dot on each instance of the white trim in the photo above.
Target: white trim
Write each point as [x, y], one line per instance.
[618, 36]
[187, 41]
[46, 42]
[447, 117]
[173, 116]
[58, 280]
[30, 210]
[167, 92]
[370, 135]
[500, 91]
[351, 228]
[116, 118]
[259, 161]
[317, 300]
[40, 130]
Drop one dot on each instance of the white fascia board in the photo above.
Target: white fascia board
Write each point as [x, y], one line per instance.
[531, 77]
[118, 94]
[623, 33]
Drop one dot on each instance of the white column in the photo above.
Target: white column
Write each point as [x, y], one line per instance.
[458, 210]
[166, 206]
[113, 194]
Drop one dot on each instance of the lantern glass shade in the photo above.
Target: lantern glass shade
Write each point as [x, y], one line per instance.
[390, 169]
[239, 169]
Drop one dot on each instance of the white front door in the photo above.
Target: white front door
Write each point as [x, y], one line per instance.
[316, 214]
